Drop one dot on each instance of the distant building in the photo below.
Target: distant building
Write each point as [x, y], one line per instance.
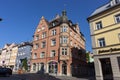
[11, 55]
[0, 57]
[6, 54]
[24, 52]
[105, 35]
[58, 47]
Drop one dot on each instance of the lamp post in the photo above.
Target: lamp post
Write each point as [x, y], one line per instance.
[0, 19]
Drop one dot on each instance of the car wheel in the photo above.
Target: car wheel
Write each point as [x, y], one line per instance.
[7, 75]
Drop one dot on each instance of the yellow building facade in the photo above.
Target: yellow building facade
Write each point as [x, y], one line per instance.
[105, 34]
[13, 57]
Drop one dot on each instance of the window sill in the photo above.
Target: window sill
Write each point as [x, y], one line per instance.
[53, 45]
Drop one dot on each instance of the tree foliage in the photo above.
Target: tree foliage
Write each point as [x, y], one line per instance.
[24, 64]
[87, 57]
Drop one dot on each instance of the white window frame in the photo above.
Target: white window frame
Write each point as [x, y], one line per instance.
[52, 54]
[64, 51]
[101, 42]
[53, 32]
[64, 28]
[43, 34]
[36, 46]
[43, 44]
[35, 56]
[99, 25]
[37, 37]
[64, 39]
[42, 55]
[53, 42]
[117, 18]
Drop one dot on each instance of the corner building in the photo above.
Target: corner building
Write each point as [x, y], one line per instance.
[58, 47]
[105, 35]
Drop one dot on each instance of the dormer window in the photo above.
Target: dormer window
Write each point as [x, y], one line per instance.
[114, 2]
[117, 1]
[53, 24]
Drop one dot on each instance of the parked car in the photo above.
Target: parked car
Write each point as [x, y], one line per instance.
[5, 72]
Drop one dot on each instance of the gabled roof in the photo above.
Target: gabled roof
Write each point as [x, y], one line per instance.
[105, 7]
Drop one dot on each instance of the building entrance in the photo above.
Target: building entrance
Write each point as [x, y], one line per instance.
[106, 69]
[64, 68]
[53, 67]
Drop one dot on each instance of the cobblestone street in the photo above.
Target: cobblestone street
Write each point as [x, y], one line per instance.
[40, 77]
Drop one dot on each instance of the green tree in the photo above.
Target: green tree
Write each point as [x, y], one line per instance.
[24, 64]
[87, 57]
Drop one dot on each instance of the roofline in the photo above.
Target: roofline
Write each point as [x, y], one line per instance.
[88, 19]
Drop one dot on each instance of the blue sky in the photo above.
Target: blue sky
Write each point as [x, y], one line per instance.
[21, 17]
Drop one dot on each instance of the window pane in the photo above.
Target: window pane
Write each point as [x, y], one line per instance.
[101, 42]
[64, 29]
[117, 1]
[52, 53]
[42, 55]
[54, 32]
[53, 42]
[35, 56]
[37, 37]
[117, 17]
[62, 51]
[43, 44]
[43, 34]
[36, 46]
[99, 25]
[65, 51]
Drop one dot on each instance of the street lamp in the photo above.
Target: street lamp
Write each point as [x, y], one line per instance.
[0, 19]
